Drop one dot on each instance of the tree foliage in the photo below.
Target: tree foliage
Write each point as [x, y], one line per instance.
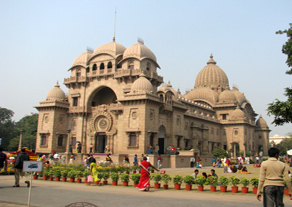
[7, 126]
[284, 146]
[282, 110]
[219, 152]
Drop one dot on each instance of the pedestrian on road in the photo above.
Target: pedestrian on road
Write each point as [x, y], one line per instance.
[18, 165]
[3, 160]
[271, 178]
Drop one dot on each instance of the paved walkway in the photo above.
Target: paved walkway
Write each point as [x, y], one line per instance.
[52, 193]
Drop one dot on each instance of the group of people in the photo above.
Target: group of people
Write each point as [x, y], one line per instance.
[196, 172]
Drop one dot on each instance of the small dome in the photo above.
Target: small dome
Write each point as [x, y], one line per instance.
[56, 94]
[203, 94]
[168, 87]
[142, 84]
[239, 96]
[139, 51]
[237, 114]
[212, 76]
[113, 48]
[261, 123]
[82, 59]
[227, 96]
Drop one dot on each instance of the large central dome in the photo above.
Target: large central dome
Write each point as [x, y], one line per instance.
[212, 76]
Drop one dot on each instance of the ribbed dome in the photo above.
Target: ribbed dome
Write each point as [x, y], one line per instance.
[261, 123]
[212, 76]
[142, 84]
[113, 48]
[56, 94]
[239, 96]
[140, 51]
[227, 96]
[237, 114]
[206, 94]
[168, 87]
[82, 59]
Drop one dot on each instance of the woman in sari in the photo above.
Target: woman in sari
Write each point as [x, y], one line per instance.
[93, 171]
[144, 183]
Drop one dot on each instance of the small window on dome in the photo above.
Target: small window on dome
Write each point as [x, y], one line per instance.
[130, 65]
[148, 66]
[87, 70]
[109, 65]
[101, 67]
[94, 67]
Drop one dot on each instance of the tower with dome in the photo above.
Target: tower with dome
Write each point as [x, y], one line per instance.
[118, 103]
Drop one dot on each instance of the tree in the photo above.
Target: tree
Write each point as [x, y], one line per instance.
[7, 127]
[284, 146]
[219, 152]
[28, 125]
[282, 110]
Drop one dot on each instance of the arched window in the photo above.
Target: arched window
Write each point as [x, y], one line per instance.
[101, 67]
[148, 66]
[119, 65]
[130, 65]
[94, 67]
[87, 70]
[109, 65]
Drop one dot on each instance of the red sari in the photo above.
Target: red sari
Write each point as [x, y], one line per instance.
[145, 173]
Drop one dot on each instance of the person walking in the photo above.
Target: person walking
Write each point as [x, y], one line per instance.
[271, 179]
[18, 165]
[3, 160]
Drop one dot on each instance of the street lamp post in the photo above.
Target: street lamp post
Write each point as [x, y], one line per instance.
[20, 140]
[68, 146]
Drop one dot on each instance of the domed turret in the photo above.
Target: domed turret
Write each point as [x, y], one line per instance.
[239, 96]
[113, 48]
[237, 114]
[168, 87]
[56, 94]
[203, 94]
[82, 59]
[212, 76]
[227, 96]
[261, 123]
[142, 84]
[139, 51]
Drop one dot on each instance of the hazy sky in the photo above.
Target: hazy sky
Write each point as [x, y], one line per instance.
[39, 41]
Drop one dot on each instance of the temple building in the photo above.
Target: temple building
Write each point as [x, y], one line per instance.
[117, 103]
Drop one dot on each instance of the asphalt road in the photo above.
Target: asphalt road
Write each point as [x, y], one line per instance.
[60, 194]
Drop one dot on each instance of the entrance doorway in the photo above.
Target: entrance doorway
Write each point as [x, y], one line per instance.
[161, 140]
[100, 142]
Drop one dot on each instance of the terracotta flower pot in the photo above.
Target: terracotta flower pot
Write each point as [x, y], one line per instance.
[255, 190]
[156, 185]
[35, 176]
[114, 182]
[57, 178]
[134, 171]
[97, 182]
[72, 180]
[234, 189]
[64, 179]
[165, 187]
[244, 189]
[200, 188]
[85, 180]
[286, 191]
[223, 188]
[45, 177]
[177, 186]
[78, 180]
[213, 188]
[125, 183]
[188, 187]
[51, 178]
[135, 184]
[105, 182]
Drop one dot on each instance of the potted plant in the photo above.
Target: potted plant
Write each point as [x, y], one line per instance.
[51, 174]
[157, 178]
[254, 182]
[135, 167]
[223, 183]
[79, 175]
[125, 178]
[200, 181]
[64, 174]
[35, 175]
[85, 175]
[105, 176]
[245, 183]
[212, 181]
[189, 180]
[165, 179]
[99, 177]
[45, 174]
[234, 182]
[57, 174]
[177, 180]
[115, 177]
[72, 175]
[135, 178]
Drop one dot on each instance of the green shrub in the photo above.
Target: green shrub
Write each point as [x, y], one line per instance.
[244, 182]
[234, 180]
[71, 174]
[189, 180]
[212, 180]
[254, 182]
[200, 180]
[79, 174]
[224, 181]
[156, 177]
[136, 177]
[166, 178]
[64, 173]
[105, 175]
[125, 177]
[177, 179]
[114, 176]
[57, 173]
[86, 174]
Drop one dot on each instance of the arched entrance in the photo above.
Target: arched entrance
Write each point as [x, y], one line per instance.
[100, 142]
[102, 95]
[161, 139]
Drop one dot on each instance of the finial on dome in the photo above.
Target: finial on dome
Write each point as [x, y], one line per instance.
[114, 38]
[169, 85]
[178, 91]
[57, 84]
[211, 61]
[211, 56]
[140, 40]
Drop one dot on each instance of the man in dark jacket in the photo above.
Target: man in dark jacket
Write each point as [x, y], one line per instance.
[18, 165]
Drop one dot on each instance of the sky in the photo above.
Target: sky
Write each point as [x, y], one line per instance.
[39, 41]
